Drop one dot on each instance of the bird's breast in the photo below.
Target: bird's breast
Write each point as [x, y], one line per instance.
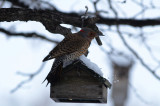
[78, 53]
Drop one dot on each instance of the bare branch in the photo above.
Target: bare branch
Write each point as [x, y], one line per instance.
[151, 53]
[131, 22]
[27, 35]
[138, 95]
[51, 20]
[95, 7]
[129, 48]
[136, 55]
[30, 75]
[111, 7]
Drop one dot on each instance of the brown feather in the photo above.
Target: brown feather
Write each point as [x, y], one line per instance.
[68, 45]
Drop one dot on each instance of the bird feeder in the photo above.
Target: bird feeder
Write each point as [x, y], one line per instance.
[79, 84]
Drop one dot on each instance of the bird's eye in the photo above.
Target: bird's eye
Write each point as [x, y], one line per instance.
[91, 34]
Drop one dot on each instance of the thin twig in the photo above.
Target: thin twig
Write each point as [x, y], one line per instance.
[111, 7]
[143, 41]
[128, 47]
[136, 55]
[120, 9]
[95, 7]
[30, 78]
[138, 95]
[28, 35]
[150, 51]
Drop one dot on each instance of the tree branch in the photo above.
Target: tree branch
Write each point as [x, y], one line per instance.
[51, 20]
[30, 75]
[136, 55]
[27, 35]
[141, 98]
[131, 22]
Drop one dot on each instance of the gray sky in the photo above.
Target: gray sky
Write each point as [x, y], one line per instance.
[25, 55]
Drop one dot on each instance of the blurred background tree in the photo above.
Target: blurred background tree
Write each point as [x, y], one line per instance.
[30, 28]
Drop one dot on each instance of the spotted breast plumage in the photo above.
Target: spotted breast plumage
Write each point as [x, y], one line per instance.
[70, 48]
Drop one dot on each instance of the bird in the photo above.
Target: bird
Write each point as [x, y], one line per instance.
[70, 48]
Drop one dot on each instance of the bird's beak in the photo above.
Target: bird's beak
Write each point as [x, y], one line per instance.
[100, 34]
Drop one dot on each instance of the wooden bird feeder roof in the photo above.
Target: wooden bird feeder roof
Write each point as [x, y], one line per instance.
[79, 84]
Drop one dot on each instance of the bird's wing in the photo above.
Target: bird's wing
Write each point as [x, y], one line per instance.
[67, 46]
[55, 73]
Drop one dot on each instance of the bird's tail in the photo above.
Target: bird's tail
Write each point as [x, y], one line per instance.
[55, 73]
[48, 57]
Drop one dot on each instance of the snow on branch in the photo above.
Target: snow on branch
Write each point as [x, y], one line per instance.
[51, 20]
[102, 20]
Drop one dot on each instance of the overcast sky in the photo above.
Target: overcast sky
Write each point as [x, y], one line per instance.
[25, 55]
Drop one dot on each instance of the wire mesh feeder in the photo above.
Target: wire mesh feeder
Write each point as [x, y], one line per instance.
[79, 84]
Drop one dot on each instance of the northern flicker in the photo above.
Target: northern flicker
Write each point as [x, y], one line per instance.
[70, 48]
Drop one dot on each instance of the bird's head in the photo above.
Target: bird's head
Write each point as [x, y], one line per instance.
[88, 33]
